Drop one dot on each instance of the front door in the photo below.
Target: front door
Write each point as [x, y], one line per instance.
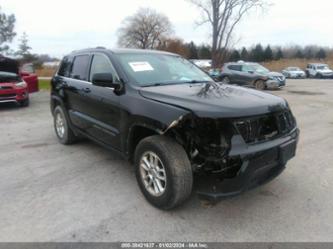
[103, 104]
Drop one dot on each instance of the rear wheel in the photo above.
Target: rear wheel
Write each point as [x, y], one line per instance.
[260, 85]
[63, 131]
[163, 172]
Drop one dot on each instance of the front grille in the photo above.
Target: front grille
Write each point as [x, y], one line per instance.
[6, 87]
[267, 127]
[279, 78]
[12, 95]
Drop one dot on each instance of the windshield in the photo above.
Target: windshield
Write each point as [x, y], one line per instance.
[294, 69]
[161, 69]
[323, 67]
[260, 69]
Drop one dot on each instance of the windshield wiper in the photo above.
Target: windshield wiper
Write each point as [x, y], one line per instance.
[196, 81]
[177, 83]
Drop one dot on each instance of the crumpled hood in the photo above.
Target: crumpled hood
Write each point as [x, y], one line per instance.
[215, 100]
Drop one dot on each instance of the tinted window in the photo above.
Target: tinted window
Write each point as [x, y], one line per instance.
[102, 64]
[235, 67]
[65, 67]
[80, 67]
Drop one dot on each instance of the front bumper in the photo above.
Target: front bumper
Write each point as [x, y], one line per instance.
[260, 164]
[297, 76]
[14, 95]
[275, 84]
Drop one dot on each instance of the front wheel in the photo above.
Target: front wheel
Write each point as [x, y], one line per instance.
[226, 80]
[163, 172]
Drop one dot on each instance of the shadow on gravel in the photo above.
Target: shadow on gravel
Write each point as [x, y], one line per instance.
[9, 106]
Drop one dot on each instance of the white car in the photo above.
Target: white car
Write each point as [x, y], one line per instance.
[316, 70]
[294, 73]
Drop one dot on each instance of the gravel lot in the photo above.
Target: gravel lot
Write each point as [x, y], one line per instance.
[49, 192]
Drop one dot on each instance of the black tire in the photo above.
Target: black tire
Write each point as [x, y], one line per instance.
[178, 171]
[307, 74]
[260, 85]
[67, 136]
[319, 76]
[24, 103]
[225, 80]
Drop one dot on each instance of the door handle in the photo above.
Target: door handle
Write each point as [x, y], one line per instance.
[86, 90]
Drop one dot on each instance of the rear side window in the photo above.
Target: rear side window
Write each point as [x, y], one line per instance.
[65, 67]
[80, 67]
[235, 67]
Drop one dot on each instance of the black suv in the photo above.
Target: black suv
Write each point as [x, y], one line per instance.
[174, 122]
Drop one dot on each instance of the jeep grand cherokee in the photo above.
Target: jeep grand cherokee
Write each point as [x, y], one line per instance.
[174, 122]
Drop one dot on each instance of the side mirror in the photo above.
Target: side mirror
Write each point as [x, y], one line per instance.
[105, 80]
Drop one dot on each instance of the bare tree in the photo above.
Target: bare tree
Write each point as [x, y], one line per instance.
[146, 29]
[223, 16]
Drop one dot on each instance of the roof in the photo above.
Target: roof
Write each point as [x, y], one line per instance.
[121, 51]
[318, 64]
[242, 63]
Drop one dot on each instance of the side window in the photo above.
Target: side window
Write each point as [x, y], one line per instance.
[235, 67]
[65, 67]
[102, 64]
[246, 69]
[80, 67]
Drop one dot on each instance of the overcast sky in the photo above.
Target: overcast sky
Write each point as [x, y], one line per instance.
[57, 27]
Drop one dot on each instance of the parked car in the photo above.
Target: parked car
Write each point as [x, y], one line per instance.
[15, 86]
[251, 74]
[294, 73]
[318, 70]
[173, 121]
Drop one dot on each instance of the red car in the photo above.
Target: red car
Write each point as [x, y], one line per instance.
[15, 86]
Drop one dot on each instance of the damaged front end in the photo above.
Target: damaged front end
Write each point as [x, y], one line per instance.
[229, 156]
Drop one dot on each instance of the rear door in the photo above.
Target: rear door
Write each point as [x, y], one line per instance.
[235, 73]
[76, 87]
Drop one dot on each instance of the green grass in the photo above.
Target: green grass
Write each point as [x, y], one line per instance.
[44, 84]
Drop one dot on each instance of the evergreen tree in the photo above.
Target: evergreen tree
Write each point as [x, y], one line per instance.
[279, 54]
[268, 54]
[321, 54]
[299, 54]
[235, 56]
[205, 52]
[24, 49]
[257, 54]
[245, 54]
[193, 50]
[309, 53]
